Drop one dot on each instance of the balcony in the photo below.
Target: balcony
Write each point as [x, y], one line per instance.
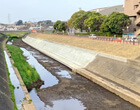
[137, 22]
[138, 10]
[137, 32]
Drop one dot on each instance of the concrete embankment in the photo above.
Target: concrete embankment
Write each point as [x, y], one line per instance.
[27, 104]
[5, 95]
[116, 74]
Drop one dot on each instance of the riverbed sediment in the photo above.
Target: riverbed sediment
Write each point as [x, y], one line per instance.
[90, 94]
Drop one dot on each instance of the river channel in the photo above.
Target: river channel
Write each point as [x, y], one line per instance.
[64, 90]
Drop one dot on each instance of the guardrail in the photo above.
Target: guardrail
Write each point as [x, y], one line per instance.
[122, 41]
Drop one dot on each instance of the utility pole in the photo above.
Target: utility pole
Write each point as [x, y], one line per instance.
[9, 20]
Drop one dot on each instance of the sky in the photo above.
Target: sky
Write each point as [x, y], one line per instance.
[37, 10]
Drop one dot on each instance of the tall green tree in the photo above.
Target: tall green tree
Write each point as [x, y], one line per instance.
[55, 26]
[115, 22]
[72, 20]
[19, 22]
[79, 21]
[94, 21]
[62, 26]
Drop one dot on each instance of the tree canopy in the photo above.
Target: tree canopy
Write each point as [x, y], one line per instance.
[72, 21]
[55, 26]
[115, 22]
[94, 21]
[20, 22]
[79, 21]
[82, 20]
[60, 25]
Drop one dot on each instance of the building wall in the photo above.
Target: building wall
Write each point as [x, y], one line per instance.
[108, 10]
[131, 9]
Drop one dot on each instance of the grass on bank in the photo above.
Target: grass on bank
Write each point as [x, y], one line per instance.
[12, 91]
[27, 72]
[11, 87]
[16, 35]
[112, 48]
[1, 35]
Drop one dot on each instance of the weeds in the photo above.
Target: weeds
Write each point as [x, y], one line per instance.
[27, 72]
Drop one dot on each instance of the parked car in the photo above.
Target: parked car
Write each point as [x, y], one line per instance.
[131, 39]
[92, 36]
[134, 39]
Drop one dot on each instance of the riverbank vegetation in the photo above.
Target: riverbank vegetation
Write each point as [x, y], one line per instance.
[12, 91]
[16, 35]
[27, 72]
[94, 22]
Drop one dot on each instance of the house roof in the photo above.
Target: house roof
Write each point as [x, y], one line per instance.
[108, 10]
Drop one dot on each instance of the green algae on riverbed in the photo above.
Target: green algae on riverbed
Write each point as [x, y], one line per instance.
[27, 72]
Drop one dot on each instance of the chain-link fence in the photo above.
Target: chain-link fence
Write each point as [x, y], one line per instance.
[5, 95]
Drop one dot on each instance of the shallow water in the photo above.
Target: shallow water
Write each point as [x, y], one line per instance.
[50, 80]
[64, 74]
[69, 104]
[19, 93]
[47, 77]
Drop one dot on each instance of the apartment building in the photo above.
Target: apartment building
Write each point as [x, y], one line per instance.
[132, 9]
[108, 10]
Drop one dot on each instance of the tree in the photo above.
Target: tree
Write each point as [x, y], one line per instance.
[20, 22]
[115, 22]
[72, 20]
[49, 23]
[94, 21]
[55, 26]
[62, 26]
[79, 21]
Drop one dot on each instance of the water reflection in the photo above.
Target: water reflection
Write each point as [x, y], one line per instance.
[49, 80]
[64, 74]
[47, 77]
[19, 94]
[70, 104]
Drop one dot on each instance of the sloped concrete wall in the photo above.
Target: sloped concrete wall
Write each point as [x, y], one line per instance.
[112, 72]
[111, 67]
[5, 95]
[123, 73]
[78, 56]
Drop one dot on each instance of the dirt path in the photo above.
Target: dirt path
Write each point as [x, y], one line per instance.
[90, 94]
[117, 49]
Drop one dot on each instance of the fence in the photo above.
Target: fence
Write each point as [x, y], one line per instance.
[123, 41]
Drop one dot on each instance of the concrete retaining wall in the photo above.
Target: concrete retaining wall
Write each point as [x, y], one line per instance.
[5, 95]
[111, 72]
[78, 56]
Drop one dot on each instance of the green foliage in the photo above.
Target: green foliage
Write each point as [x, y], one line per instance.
[15, 36]
[115, 22]
[79, 21]
[94, 21]
[27, 72]
[61, 26]
[82, 20]
[55, 26]
[20, 22]
[73, 21]
[11, 90]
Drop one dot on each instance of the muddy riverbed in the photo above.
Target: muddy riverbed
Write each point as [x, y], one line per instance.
[73, 92]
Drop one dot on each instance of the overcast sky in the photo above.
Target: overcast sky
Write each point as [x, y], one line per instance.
[35, 10]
